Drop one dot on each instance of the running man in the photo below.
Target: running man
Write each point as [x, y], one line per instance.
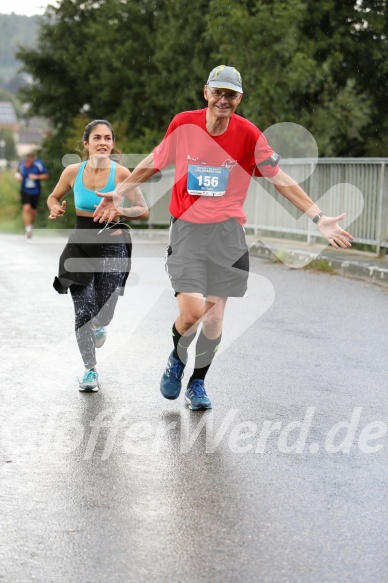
[215, 152]
[30, 173]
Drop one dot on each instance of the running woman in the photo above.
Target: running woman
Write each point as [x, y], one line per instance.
[96, 260]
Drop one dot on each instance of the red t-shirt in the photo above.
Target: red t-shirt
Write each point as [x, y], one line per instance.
[229, 159]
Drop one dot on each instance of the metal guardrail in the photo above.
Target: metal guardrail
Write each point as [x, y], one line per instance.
[356, 186]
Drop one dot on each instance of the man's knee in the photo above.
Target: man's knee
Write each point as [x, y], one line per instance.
[191, 318]
[213, 318]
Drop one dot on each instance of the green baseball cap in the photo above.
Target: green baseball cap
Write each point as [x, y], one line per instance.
[225, 77]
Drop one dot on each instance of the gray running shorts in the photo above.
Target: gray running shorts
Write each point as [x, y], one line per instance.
[210, 259]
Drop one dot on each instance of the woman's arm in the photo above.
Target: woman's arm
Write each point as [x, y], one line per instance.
[65, 183]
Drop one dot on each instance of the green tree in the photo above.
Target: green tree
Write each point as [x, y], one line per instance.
[298, 59]
[92, 58]
[341, 117]
[371, 66]
[180, 60]
[137, 63]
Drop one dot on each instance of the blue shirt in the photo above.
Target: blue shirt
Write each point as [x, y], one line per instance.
[29, 185]
[85, 199]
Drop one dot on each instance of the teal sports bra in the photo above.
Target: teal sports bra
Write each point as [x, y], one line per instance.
[85, 199]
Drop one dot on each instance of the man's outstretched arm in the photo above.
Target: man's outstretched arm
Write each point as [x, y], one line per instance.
[328, 226]
[108, 208]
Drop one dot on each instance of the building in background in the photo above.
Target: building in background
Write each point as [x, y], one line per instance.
[31, 135]
[8, 118]
[9, 133]
[27, 135]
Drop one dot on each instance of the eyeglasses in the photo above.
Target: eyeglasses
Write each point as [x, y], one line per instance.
[229, 95]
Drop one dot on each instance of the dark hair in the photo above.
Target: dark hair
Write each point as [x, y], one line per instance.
[92, 125]
[115, 154]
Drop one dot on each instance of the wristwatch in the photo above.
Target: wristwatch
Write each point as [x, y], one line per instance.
[318, 216]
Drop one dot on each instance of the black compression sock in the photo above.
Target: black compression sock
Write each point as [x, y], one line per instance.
[181, 344]
[205, 351]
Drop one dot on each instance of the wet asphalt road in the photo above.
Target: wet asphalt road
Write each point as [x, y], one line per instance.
[124, 486]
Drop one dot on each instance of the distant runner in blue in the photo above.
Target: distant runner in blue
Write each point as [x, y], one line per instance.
[30, 173]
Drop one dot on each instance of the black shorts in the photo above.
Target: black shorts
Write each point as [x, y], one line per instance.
[210, 259]
[31, 199]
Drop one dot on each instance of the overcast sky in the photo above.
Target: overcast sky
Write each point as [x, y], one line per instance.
[27, 7]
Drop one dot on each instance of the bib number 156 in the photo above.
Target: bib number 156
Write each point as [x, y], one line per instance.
[208, 181]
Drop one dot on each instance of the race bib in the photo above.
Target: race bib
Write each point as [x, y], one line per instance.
[30, 183]
[207, 180]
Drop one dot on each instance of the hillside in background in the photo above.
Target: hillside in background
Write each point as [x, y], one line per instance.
[15, 31]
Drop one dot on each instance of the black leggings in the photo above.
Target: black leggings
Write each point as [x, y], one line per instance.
[95, 304]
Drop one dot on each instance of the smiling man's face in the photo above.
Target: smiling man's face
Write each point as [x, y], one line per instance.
[221, 102]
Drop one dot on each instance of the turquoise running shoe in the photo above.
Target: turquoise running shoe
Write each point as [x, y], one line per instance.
[99, 336]
[89, 382]
[171, 382]
[196, 396]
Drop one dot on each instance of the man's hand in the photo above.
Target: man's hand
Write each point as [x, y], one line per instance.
[57, 210]
[107, 210]
[336, 236]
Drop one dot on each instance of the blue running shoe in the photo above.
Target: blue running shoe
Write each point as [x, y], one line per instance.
[171, 383]
[99, 336]
[196, 395]
[89, 382]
